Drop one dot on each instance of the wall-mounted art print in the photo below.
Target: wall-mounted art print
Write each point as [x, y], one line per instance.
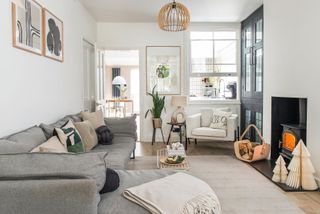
[53, 36]
[27, 26]
[163, 69]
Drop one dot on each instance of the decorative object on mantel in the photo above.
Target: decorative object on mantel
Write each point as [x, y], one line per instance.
[27, 26]
[301, 169]
[280, 171]
[156, 111]
[53, 36]
[250, 152]
[174, 17]
[179, 115]
[163, 66]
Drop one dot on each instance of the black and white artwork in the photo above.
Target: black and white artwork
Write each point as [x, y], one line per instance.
[27, 25]
[53, 39]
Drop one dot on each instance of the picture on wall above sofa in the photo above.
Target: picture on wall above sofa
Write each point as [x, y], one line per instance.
[53, 36]
[27, 26]
[163, 69]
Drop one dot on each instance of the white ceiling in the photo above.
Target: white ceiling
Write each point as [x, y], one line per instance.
[147, 10]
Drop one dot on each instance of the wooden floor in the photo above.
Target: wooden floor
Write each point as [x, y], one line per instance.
[309, 202]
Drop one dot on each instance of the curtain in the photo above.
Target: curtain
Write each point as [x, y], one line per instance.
[115, 89]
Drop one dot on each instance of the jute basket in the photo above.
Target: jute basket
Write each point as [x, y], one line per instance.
[261, 151]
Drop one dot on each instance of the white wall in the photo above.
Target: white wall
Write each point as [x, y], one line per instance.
[35, 89]
[292, 65]
[137, 36]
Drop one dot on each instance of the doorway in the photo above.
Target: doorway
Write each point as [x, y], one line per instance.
[122, 84]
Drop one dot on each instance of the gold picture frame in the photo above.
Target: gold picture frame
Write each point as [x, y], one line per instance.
[27, 26]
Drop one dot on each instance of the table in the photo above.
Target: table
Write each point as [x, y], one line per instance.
[124, 101]
[180, 125]
[163, 153]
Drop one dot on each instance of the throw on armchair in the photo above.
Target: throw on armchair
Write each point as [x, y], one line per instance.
[213, 124]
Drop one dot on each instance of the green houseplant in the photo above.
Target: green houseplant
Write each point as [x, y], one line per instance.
[157, 108]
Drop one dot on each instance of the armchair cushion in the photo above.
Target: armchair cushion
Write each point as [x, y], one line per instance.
[206, 117]
[209, 132]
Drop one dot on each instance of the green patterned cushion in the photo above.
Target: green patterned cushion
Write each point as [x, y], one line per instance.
[70, 137]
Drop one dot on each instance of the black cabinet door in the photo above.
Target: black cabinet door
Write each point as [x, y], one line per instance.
[252, 72]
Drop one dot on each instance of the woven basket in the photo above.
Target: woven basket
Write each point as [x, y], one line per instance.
[261, 151]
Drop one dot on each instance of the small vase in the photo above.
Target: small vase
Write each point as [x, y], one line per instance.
[157, 123]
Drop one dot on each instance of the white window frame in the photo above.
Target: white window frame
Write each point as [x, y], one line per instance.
[212, 27]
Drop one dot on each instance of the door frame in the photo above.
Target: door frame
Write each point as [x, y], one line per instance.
[141, 75]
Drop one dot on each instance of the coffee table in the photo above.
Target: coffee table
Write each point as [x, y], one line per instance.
[163, 153]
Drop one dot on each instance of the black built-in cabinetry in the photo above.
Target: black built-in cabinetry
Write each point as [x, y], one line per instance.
[252, 72]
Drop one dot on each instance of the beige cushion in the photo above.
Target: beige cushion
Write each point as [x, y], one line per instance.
[209, 132]
[88, 134]
[95, 118]
[53, 145]
[220, 119]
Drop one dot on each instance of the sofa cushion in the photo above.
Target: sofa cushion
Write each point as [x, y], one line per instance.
[119, 151]
[51, 165]
[123, 126]
[52, 145]
[114, 202]
[70, 137]
[11, 147]
[95, 118]
[22, 142]
[209, 132]
[88, 134]
[49, 129]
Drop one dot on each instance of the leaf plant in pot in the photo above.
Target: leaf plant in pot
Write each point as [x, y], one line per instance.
[157, 108]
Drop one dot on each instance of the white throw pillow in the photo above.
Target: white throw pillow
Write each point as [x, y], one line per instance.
[206, 117]
[220, 119]
[53, 145]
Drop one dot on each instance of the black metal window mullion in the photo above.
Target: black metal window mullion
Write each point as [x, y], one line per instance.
[115, 89]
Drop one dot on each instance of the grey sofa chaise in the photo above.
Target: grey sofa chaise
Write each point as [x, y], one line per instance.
[76, 195]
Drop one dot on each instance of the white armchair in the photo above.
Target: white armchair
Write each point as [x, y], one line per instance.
[196, 131]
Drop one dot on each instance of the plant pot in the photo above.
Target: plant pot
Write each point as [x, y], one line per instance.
[157, 122]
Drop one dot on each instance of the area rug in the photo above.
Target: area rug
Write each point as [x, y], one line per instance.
[240, 188]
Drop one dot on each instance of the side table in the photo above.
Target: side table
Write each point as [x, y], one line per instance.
[180, 125]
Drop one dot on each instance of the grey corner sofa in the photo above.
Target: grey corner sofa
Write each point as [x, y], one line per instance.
[70, 194]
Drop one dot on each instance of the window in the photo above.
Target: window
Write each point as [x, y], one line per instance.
[214, 65]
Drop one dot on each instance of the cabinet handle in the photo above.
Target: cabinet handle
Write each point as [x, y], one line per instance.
[251, 58]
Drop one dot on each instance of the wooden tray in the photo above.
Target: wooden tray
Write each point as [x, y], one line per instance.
[163, 161]
[162, 155]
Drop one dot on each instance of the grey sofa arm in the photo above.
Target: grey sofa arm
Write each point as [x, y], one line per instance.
[123, 126]
[63, 196]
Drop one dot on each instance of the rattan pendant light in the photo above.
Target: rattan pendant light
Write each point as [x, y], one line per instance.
[174, 17]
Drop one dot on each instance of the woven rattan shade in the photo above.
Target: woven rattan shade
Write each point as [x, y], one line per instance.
[174, 17]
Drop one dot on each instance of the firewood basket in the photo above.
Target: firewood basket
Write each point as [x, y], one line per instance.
[260, 152]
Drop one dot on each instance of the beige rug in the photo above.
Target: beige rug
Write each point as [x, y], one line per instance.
[240, 188]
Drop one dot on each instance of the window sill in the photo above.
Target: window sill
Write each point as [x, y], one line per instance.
[209, 101]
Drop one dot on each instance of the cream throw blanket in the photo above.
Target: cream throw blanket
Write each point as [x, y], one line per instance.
[175, 194]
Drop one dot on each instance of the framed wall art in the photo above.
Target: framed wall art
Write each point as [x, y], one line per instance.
[27, 26]
[52, 36]
[163, 66]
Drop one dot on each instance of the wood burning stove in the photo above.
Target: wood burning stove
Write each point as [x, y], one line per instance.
[291, 135]
[288, 125]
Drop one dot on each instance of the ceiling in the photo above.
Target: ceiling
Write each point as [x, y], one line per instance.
[147, 10]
